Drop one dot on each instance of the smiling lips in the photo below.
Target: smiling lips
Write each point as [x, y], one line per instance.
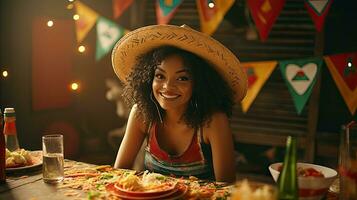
[169, 96]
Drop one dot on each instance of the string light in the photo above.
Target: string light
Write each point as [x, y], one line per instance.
[349, 64]
[81, 49]
[70, 6]
[74, 86]
[76, 17]
[5, 73]
[50, 23]
[211, 5]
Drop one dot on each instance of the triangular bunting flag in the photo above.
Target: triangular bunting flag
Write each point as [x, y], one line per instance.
[343, 68]
[264, 13]
[211, 13]
[108, 33]
[258, 73]
[300, 77]
[165, 10]
[119, 6]
[87, 18]
[318, 10]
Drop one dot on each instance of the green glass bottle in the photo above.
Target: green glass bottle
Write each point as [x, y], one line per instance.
[287, 181]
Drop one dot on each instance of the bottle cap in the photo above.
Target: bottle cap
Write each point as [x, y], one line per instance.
[9, 112]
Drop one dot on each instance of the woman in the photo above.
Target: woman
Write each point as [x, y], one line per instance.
[182, 85]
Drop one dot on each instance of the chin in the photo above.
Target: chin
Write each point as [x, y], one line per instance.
[172, 106]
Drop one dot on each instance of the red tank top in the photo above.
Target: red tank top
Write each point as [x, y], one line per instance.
[194, 161]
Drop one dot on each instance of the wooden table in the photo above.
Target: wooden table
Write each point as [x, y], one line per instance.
[28, 185]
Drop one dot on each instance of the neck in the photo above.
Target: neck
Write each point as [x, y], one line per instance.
[173, 117]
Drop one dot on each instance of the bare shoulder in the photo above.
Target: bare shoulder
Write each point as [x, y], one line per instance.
[136, 120]
[218, 126]
[218, 120]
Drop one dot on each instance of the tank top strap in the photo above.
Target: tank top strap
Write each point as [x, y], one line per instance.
[148, 128]
[199, 133]
[149, 133]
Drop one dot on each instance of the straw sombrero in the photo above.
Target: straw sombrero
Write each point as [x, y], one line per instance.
[142, 40]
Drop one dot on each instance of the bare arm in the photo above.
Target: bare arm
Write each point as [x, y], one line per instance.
[219, 136]
[132, 141]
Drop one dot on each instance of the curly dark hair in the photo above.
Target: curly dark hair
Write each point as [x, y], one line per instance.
[210, 93]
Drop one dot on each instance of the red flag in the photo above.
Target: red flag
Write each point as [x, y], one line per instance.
[119, 6]
[264, 14]
[318, 10]
[344, 72]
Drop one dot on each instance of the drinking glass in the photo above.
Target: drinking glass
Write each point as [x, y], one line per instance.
[52, 149]
[348, 162]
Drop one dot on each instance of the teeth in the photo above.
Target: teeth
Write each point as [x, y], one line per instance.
[169, 96]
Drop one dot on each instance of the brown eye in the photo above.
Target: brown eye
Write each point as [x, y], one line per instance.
[159, 76]
[183, 78]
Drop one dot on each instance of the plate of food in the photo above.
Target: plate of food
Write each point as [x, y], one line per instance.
[178, 192]
[146, 186]
[22, 159]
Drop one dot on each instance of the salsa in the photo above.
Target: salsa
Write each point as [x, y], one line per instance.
[306, 172]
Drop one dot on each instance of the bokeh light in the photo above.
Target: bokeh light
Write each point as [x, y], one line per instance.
[349, 64]
[50, 23]
[74, 86]
[76, 17]
[70, 6]
[5, 73]
[81, 49]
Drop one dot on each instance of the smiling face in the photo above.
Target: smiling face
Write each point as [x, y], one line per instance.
[172, 84]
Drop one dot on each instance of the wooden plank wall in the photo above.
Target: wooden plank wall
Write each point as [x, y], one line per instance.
[272, 116]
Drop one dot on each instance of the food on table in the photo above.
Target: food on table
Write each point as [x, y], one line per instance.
[90, 179]
[250, 191]
[18, 158]
[130, 182]
[94, 181]
[309, 172]
[148, 182]
[306, 172]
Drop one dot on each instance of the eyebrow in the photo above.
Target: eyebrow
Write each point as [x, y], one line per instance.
[179, 71]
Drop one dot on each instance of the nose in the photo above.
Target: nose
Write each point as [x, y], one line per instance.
[168, 84]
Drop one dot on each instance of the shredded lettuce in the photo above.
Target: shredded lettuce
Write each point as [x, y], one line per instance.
[92, 194]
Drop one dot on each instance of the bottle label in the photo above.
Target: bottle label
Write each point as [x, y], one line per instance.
[10, 128]
[11, 114]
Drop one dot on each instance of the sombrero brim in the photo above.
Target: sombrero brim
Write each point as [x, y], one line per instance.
[144, 39]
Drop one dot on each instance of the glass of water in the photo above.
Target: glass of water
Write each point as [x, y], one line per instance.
[52, 150]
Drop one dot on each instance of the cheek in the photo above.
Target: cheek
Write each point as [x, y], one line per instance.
[188, 91]
[155, 87]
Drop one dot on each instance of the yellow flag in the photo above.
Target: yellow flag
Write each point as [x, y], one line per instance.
[257, 73]
[87, 18]
[211, 13]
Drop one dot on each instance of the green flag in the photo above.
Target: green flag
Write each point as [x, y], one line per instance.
[300, 77]
[108, 33]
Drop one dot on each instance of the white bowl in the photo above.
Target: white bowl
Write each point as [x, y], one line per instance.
[310, 188]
